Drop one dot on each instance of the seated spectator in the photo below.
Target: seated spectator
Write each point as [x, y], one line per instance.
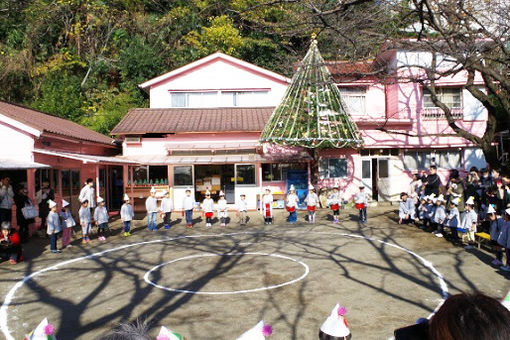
[470, 317]
[406, 209]
[10, 245]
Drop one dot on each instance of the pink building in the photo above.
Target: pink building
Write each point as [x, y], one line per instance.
[202, 129]
[38, 147]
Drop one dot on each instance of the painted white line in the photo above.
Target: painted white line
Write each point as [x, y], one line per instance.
[10, 295]
[244, 291]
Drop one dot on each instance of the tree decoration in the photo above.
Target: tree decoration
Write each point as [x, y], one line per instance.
[312, 113]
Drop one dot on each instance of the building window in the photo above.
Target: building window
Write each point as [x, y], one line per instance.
[243, 98]
[384, 168]
[183, 175]
[245, 174]
[451, 96]
[354, 97]
[158, 174]
[421, 160]
[333, 168]
[417, 160]
[194, 99]
[448, 159]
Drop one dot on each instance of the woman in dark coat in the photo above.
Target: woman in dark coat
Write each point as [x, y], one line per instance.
[21, 199]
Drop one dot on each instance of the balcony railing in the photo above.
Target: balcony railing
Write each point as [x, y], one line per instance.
[437, 113]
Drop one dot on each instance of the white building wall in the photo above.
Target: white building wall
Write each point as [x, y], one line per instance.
[16, 144]
[218, 75]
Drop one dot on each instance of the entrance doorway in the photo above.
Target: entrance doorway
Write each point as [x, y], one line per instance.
[215, 178]
[375, 177]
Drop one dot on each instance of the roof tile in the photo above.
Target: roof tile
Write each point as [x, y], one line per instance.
[176, 120]
[47, 123]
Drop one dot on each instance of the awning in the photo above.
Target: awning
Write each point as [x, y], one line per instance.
[211, 146]
[15, 164]
[216, 159]
[114, 160]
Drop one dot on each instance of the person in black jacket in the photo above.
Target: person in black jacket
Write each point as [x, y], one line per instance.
[21, 199]
[432, 182]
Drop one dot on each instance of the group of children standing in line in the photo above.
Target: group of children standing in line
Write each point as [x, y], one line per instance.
[90, 213]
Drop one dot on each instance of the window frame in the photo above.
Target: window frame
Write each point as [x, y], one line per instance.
[440, 93]
[328, 160]
[237, 175]
[191, 176]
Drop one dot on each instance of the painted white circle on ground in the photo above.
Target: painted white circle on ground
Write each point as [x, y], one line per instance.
[10, 295]
[243, 291]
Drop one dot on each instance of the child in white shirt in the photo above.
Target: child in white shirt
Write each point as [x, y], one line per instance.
[53, 226]
[207, 209]
[267, 206]
[312, 202]
[85, 219]
[334, 201]
[188, 203]
[101, 218]
[166, 209]
[242, 210]
[126, 214]
[222, 209]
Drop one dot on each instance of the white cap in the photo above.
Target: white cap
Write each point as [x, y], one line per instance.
[52, 203]
[456, 201]
[100, 199]
[222, 193]
[507, 211]
[336, 325]
[267, 188]
[167, 334]
[126, 197]
[259, 332]
[491, 209]
[207, 192]
[153, 190]
[43, 331]
[64, 203]
[292, 188]
[440, 198]
[310, 187]
[470, 200]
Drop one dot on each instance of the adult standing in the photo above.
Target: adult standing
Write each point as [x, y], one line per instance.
[432, 182]
[455, 189]
[415, 188]
[22, 200]
[88, 193]
[6, 196]
[42, 197]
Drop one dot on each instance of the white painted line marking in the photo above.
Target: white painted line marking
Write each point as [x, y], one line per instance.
[244, 291]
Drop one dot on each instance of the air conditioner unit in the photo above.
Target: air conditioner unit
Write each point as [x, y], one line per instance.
[132, 139]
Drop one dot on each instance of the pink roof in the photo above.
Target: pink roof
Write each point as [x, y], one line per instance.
[44, 122]
[225, 119]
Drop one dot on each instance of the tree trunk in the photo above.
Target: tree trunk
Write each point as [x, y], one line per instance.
[491, 155]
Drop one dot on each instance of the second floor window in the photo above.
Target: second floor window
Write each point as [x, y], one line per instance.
[354, 97]
[201, 99]
[194, 99]
[451, 96]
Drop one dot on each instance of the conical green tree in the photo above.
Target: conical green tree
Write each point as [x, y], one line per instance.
[312, 113]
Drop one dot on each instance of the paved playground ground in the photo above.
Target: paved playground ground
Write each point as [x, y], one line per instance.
[216, 283]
